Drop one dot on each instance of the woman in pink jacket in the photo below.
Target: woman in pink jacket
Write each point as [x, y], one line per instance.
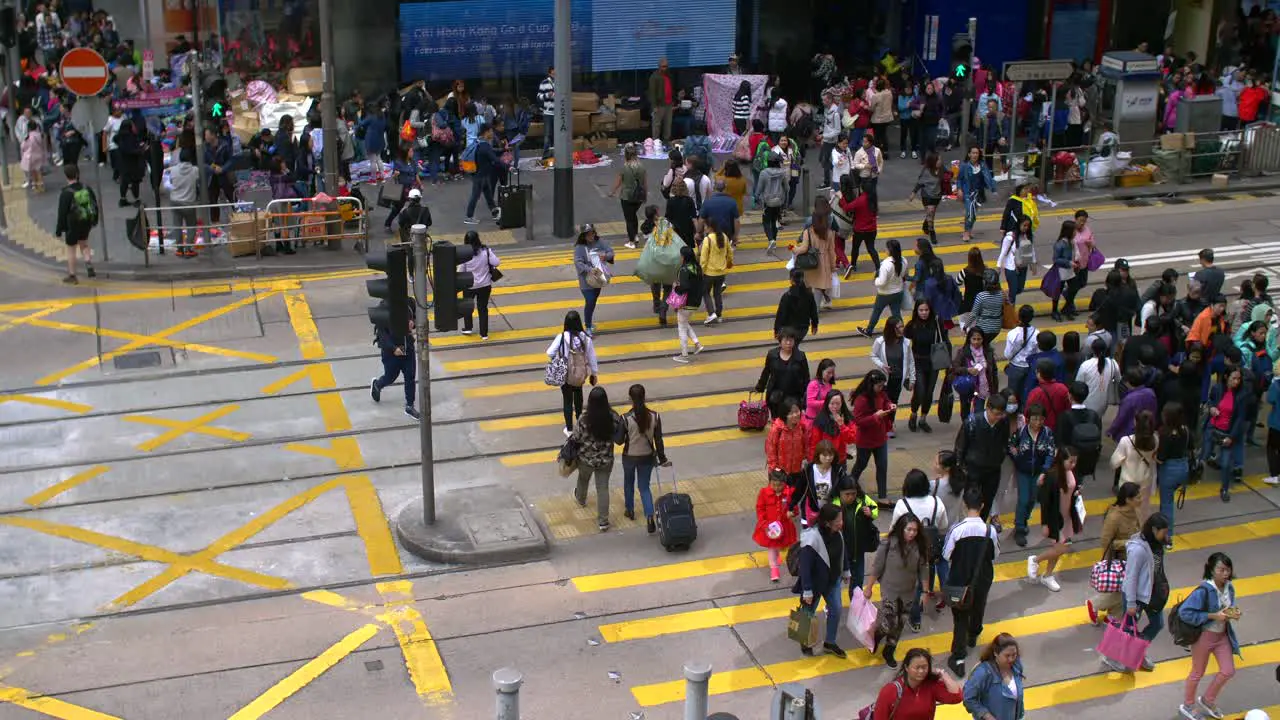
[1171, 105]
[816, 394]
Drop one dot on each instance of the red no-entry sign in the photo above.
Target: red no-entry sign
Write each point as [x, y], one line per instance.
[83, 72]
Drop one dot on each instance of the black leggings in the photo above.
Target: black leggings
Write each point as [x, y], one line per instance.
[572, 395]
[869, 240]
[629, 213]
[926, 381]
[1074, 286]
[715, 294]
[481, 296]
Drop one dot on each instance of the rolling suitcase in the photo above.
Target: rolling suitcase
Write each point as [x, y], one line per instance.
[511, 202]
[673, 515]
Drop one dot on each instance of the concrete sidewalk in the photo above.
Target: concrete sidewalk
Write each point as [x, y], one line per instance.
[32, 219]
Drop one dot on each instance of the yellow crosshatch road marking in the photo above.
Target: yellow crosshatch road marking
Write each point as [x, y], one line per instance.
[55, 403]
[421, 656]
[51, 707]
[162, 335]
[343, 451]
[803, 669]
[145, 339]
[304, 675]
[366, 509]
[11, 322]
[76, 480]
[320, 380]
[150, 553]
[178, 428]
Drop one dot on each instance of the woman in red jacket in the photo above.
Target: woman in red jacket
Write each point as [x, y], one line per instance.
[834, 423]
[872, 413]
[918, 690]
[861, 207]
[1251, 100]
[785, 446]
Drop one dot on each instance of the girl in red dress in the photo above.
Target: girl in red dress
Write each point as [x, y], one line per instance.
[775, 529]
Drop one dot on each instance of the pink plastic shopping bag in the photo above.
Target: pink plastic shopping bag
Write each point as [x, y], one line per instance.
[861, 619]
[1122, 644]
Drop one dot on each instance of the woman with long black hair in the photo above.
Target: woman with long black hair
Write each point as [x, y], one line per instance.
[597, 431]
[892, 353]
[574, 342]
[861, 204]
[901, 565]
[929, 187]
[889, 282]
[1063, 249]
[642, 451]
[871, 412]
[481, 265]
[1017, 255]
[923, 331]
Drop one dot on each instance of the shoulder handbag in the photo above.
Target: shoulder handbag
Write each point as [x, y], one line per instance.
[940, 351]
[494, 273]
[557, 368]
[1009, 316]
[1108, 573]
[809, 259]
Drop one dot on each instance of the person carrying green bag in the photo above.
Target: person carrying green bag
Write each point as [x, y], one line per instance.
[659, 260]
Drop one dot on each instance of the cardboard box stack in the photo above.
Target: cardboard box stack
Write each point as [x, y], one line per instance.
[306, 80]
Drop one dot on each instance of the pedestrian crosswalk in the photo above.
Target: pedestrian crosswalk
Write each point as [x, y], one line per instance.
[716, 602]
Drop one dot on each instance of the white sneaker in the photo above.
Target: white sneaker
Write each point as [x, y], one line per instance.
[711, 319]
[1190, 712]
[682, 359]
[567, 432]
[465, 332]
[1273, 480]
[1050, 582]
[697, 348]
[1033, 568]
[630, 245]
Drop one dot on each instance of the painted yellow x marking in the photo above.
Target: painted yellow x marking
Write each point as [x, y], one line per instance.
[143, 339]
[182, 563]
[178, 428]
[129, 347]
[55, 403]
[11, 322]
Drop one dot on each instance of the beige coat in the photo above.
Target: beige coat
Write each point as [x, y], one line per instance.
[820, 277]
[882, 106]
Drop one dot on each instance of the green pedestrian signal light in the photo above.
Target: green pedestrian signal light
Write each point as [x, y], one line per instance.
[218, 110]
[961, 70]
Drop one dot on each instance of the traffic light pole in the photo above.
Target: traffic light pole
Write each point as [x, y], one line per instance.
[418, 235]
[966, 108]
[562, 174]
[328, 101]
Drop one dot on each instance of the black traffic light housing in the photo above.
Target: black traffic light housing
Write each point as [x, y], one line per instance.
[961, 56]
[449, 308]
[392, 314]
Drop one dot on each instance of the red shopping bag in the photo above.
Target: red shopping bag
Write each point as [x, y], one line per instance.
[1121, 643]
[753, 414]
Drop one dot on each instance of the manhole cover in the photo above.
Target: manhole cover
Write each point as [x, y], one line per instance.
[1137, 203]
[373, 665]
[1175, 201]
[1262, 194]
[498, 527]
[138, 360]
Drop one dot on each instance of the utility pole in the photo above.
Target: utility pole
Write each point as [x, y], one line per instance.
[562, 175]
[196, 70]
[418, 235]
[966, 110]
[328, 100]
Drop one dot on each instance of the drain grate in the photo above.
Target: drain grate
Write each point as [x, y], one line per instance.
[138, 360]
[1175, 201]
[1262, 193]
[373, 665]
[1217, 198]
[1138, 202]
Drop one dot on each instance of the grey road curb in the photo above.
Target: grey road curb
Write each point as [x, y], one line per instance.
[484, 525]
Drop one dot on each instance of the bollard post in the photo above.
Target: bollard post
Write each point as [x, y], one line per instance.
[806, 193]
[697, 676]
[507, 682]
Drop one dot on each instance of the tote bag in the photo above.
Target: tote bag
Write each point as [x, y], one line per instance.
[1122, 644]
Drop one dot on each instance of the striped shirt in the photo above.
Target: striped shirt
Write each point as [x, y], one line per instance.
[742, 107]
[988, 311]
[547, 95]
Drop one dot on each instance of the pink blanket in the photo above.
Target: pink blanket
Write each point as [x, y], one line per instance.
[717, 95]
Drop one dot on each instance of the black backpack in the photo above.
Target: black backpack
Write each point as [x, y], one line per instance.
[1184, 634]
[793, 559]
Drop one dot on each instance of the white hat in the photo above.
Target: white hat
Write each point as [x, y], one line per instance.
[1257, 715]
[415, 194]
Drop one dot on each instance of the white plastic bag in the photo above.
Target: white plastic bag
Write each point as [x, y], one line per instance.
[791, 263]
[861, 619]
[834, 292]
